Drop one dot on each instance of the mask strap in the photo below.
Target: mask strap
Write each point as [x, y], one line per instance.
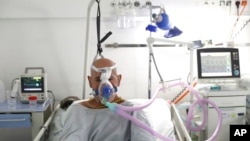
[106, 71]
[103, 68]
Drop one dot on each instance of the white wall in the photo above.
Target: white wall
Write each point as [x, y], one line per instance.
[51, 34]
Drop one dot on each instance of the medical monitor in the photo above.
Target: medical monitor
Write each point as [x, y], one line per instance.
[33, 85]
[218, 65]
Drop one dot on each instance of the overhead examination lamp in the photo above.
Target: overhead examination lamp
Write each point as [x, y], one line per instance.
[162, 22]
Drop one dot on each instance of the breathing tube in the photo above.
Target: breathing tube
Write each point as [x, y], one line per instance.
[121, 110]
[202, 103]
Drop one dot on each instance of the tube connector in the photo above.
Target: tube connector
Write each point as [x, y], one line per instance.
[111, 106]
[244, 3]
[237, 3]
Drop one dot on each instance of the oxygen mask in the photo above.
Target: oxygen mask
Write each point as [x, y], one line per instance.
[106, 91]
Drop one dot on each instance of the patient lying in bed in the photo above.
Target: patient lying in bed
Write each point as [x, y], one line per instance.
[80, 123]
[91, 120]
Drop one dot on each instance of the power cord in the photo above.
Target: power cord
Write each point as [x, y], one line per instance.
[237, 3]
[13, 82]
[53, 99]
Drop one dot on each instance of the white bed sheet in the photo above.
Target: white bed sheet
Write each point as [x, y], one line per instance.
[157, 116]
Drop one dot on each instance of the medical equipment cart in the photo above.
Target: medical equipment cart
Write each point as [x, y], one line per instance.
[23, 122]
[231, 100]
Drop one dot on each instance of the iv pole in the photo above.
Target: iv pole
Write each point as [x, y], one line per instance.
[151, 40]
[99, 49]
[86, 47]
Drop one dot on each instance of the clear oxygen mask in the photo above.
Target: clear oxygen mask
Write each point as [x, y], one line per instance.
[106, 91]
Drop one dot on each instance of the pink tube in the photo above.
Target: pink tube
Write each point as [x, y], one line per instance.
[143, 125]
[215, 134]
[190, 116]
[190, 113]
[202, 102]
[120, 110]
[139, 107]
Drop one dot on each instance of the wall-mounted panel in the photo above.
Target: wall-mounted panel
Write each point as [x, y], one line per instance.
[78, 8]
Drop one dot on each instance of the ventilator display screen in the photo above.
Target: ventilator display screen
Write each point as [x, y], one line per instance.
[215, 63]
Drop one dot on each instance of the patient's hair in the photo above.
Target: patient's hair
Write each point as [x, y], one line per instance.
[66, 102]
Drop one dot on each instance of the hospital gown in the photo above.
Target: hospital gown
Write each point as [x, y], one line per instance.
[80, 123]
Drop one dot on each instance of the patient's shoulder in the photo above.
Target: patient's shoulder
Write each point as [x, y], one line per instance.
[66, 102]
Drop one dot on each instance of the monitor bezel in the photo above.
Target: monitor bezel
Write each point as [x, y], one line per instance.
[216, 50]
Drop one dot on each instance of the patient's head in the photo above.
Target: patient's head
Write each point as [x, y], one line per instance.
[95, 77]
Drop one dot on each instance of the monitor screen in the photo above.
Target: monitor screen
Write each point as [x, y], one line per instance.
[32, 84]
[218, 63]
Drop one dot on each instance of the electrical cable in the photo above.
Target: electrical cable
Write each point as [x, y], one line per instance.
[243, 3]
[13, 82]
[237, 3]
[243, 27]
[54, 99]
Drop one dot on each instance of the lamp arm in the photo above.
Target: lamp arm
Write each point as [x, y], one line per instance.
[190, 45]
[151, 40]
[86, 47]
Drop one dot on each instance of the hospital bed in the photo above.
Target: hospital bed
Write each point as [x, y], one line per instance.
[175, 124]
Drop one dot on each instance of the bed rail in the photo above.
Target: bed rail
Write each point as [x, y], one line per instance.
[180, 129]
[44, 128]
